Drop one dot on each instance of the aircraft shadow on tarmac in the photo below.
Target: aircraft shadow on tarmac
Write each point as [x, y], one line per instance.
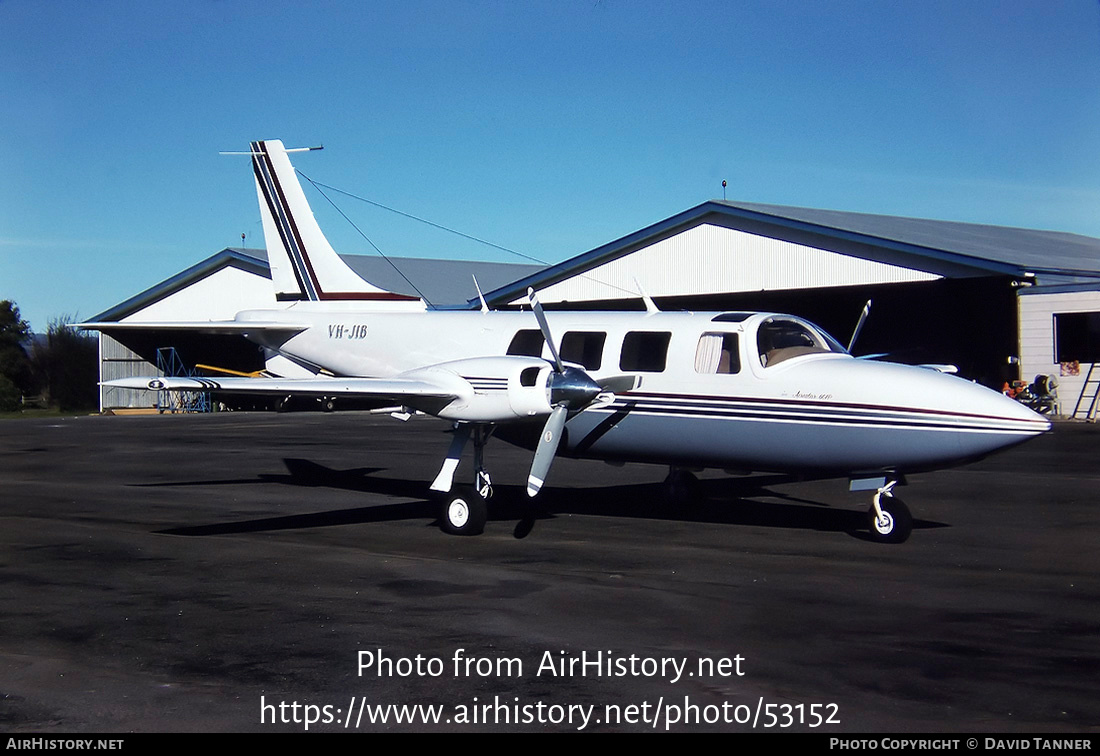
[727, 501]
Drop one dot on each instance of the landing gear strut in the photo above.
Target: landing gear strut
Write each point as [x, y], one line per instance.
[888, 517]
[482, 482]
[464, 508]
[681, 487]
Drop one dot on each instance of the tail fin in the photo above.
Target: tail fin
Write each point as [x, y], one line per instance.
[304, 266]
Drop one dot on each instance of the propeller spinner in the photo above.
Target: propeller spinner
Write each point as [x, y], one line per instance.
[571, 390]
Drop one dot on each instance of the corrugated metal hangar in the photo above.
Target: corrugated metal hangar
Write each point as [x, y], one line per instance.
[1000, 303]
[943, 292]
[239, 279]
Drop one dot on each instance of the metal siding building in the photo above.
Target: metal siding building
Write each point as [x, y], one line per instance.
[1039, 310]
[713, 259]
[983, 297]
[779, 240]
[943, 291]
[239, 279]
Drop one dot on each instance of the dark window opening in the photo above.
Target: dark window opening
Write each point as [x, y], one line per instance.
[527, 343]
[645, 351]
[1077, 337]
[583, 347]
[731, 317]
[529, 376]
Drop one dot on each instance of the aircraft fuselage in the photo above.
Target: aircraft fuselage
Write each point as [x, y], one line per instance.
[816, 410]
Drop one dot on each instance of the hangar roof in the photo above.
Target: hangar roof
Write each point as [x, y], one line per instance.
[946, 248]
[440, 281]
[1035, 251]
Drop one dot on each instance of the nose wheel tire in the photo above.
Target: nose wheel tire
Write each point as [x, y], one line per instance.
[896, 523]
[464, 512]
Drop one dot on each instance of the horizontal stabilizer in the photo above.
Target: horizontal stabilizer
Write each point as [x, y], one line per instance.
[242, 327]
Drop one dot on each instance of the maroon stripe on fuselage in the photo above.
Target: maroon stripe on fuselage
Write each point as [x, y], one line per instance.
[824, 405]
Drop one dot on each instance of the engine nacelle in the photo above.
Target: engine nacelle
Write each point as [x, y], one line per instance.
[493, 389]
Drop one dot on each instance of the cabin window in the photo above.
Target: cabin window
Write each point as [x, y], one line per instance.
[778, 340]
[717, 353]
[584, 348]
[527, 343]
[645, 351]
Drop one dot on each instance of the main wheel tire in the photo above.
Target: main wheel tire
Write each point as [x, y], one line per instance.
[682, 489]
[896, 523]
[463, 512]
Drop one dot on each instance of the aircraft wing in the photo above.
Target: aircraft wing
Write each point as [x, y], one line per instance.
[416, 393]
[242, 327]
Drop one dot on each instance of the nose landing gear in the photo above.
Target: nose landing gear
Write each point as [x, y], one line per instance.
[889, 518]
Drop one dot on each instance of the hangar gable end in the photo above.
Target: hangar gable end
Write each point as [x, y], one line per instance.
[714, 259]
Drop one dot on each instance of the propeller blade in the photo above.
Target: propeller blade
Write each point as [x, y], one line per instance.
[859, 325]
[541, 317]
[548, 446]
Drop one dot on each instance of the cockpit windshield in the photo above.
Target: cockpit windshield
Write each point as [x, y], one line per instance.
[779, 339]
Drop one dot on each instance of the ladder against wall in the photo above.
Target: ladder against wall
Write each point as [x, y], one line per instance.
[1085, 409]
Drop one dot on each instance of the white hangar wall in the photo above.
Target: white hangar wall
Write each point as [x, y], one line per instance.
[219, 295]
[1037, 338]
[713, 259]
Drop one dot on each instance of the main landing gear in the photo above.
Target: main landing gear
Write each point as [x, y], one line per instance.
[464, 508]
[464, 511]
[681, 487]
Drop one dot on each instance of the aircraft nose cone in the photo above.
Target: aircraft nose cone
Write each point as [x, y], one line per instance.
[1024, 413]
[974, 420]
[1005, 410]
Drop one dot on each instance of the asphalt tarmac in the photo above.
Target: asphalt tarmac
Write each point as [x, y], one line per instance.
[234, 572]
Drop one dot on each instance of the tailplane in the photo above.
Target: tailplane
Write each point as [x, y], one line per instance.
[304, 266]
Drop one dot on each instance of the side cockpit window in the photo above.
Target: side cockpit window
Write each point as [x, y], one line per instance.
[779, 339]
[717, 353]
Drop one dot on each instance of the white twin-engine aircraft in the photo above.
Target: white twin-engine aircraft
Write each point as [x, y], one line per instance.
[740, 391]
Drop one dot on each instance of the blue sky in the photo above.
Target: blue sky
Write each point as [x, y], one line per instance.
[546, 127]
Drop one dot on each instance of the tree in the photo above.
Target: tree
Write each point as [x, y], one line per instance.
[9, 395]
[68, 366]
[16, 372]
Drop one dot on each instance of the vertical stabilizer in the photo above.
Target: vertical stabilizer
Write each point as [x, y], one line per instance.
[304, 266]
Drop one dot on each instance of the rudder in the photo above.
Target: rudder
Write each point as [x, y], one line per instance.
[304, 266]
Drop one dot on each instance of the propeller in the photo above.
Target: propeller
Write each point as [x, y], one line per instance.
[859, 325]
[548, 446]
[571, 390]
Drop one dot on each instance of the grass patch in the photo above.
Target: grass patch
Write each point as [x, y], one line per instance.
[51, 412]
